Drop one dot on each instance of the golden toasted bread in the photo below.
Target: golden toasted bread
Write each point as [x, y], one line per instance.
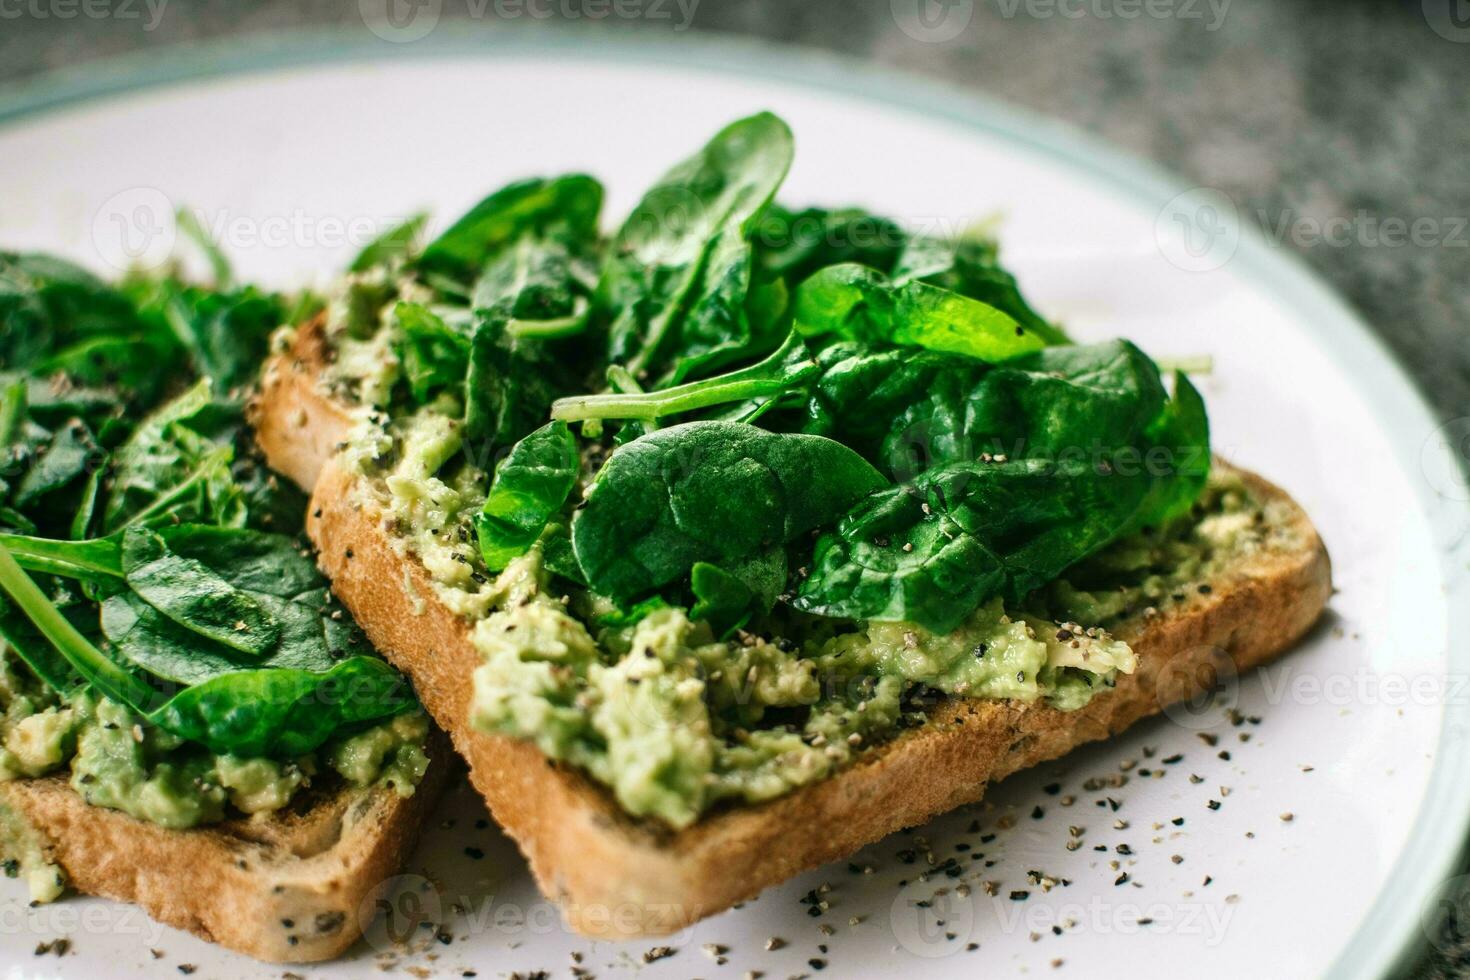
[286, 887]
[615, 876]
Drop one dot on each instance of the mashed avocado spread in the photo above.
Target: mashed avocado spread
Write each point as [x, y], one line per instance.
[117, 762]
[674, 719]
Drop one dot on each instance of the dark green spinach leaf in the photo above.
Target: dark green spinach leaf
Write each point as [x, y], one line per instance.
[677, 277]
[527, 207]
[530, 487]
[716, 492]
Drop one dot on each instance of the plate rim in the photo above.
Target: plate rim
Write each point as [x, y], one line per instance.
[1439, 838]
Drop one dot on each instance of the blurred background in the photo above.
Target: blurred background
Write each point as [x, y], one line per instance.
[1340, 129]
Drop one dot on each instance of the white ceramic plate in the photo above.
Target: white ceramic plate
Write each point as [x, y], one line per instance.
[296, 151]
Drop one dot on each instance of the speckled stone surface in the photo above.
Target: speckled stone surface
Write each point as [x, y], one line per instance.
[1301, 111]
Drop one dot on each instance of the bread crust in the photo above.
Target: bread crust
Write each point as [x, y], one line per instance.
[616, 877]
[285, 888]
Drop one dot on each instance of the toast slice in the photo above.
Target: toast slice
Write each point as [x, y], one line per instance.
[287, 888]
[618, 877]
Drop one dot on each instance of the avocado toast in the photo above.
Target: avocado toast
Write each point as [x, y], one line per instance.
[187, 720]
[746, 536]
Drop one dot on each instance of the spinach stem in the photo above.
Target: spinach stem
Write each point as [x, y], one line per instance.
[565, 326]
[86, 659]
[69, 559]
[776, 374]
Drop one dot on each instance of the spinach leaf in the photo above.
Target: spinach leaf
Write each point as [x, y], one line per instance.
[854, 302]
[283, 713]
[716, 492]
[47, 304]
[525, 207]
[728, 598]
[35, 651]
[677, 276]
[529, 294]
[933, 549]
[394, 245]
[227, 334]
[538, 286]
[170, 467]
[267, 569]
[283, 706]
[791, 245]
[970, 265]
[189, 593]
[435, 356]
[907, 411]
[194, 231]
[66, 459]
[135, 366]
[530, 486]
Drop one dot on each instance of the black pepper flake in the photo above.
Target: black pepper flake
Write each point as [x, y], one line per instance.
[1213, 804]
[1122, 879]
[1052, 789]
[817, 963]
[1037, 813]
[1020, 895]
[474, 853]
[1172, 759]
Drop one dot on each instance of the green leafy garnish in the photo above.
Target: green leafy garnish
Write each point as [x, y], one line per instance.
[530, 487]
[678, 274]
[715, 492]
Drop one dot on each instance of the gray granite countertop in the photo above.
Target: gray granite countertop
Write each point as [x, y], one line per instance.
[1302, 111]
